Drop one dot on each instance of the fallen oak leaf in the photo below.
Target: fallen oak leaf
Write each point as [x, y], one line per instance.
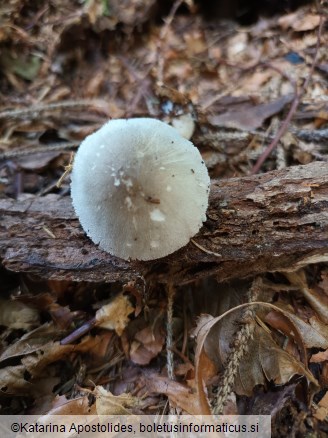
[250, 118]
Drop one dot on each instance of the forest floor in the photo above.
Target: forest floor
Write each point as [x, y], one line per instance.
[99, 336]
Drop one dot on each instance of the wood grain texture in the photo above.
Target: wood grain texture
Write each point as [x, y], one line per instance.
[269, 222]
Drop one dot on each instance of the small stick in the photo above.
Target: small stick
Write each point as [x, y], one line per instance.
[169, 328]
[205, 250]
[76, 334]
[16, 153]
[37, 109]
[67, 169]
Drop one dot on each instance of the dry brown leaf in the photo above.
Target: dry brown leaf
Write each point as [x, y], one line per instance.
[47, 302]
[46, 354]
[16, 315]
[180, 395]
[110, 404]
[322, 412]
[309, 335]
[35, 352]
[95, 346]
[43, 393]
[76, 406]
[250, 118]
[278, 365]
[266, 361]
[317, 300]
[37, 161]
[31, 342]
[148, 344]
[324, 374]
[237, 48]
[250, 372]
[322, 356]
[323, 284]
[195, 42]
[115, 315]
[184, 369]
[299, 21]
[263, 359]
[12, 380]
[204, 324]
[253, 82]
[319, 326]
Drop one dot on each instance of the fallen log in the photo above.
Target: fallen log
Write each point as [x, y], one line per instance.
[275, 221]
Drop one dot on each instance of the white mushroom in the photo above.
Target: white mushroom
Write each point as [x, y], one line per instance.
[139, 189]
[185, 125]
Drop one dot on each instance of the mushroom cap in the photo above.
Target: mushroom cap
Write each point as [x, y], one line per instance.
[139, 189]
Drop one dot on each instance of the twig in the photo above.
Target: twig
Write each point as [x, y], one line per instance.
[169, 329]
[37, 109]
[16, 153]
[297, 99]
[67, 169]
[76, 334]
[204, 249]
[163, 34]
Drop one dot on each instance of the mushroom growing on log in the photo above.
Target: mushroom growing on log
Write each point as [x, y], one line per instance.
[270, 222]
[139, 189]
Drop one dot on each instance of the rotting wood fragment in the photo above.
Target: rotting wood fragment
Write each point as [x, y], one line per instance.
[268, 222]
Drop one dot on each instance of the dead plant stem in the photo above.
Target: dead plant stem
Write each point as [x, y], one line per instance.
[238, 351]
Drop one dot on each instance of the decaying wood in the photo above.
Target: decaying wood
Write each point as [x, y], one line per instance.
[269, 222]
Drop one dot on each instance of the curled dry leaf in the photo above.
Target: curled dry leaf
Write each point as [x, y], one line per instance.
[19, 378]
[278, 365]
[310, 336]
[35, 351]
[115, 315]
[264, 360]
[30, 342]
[110, 404]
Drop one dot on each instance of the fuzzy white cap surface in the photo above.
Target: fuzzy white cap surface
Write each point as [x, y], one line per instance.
[139, 189]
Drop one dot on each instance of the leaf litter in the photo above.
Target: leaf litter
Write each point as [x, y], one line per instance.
[65, 71]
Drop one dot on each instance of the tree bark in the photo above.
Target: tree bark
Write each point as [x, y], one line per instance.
[276, 221]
